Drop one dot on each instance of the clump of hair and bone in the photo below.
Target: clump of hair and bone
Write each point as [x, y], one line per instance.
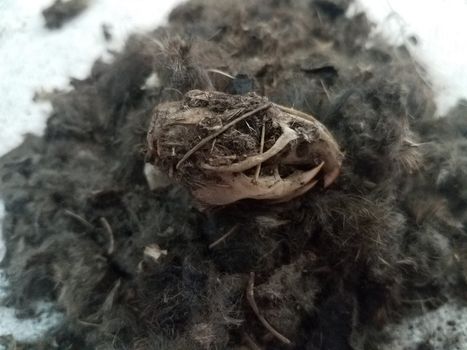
[225, 148]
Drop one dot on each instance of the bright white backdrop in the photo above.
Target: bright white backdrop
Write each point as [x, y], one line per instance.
[33, 58]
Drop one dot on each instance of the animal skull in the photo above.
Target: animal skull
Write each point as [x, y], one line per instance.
[196, 141]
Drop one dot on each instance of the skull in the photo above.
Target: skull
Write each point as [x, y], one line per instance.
[226, 148]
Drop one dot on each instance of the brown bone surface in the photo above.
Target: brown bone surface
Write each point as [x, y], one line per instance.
[225, 148]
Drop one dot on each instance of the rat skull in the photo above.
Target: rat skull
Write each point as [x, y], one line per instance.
[226, 148]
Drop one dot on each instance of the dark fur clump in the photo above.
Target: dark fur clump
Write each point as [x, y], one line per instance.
[331, 267]
[60, 12]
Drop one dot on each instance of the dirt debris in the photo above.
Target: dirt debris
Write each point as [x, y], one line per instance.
[62, 11]
[332, 267]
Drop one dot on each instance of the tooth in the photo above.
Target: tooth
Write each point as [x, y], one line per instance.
[297, 193]
[310, 174]
[291, 184]
[330, 177]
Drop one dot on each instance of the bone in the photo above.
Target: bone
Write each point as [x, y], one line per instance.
[331, 176]
[299, 192]
[250, 162]
[185, 142]
[267, 188]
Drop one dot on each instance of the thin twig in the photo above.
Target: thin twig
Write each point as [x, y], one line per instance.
[81, 220]
[251, 300]
[325, 90]
[89, 324]
[250, 342]
[223, 237]
[212, 70]
[212, 146]
[107, 227]
[220, 131]
[261, 148]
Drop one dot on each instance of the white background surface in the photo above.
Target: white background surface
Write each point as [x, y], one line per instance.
[33, 58]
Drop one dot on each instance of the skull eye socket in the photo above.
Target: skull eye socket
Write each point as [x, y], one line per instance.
[302, 150]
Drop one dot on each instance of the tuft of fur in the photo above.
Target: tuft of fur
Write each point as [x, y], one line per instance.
[332, 267]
